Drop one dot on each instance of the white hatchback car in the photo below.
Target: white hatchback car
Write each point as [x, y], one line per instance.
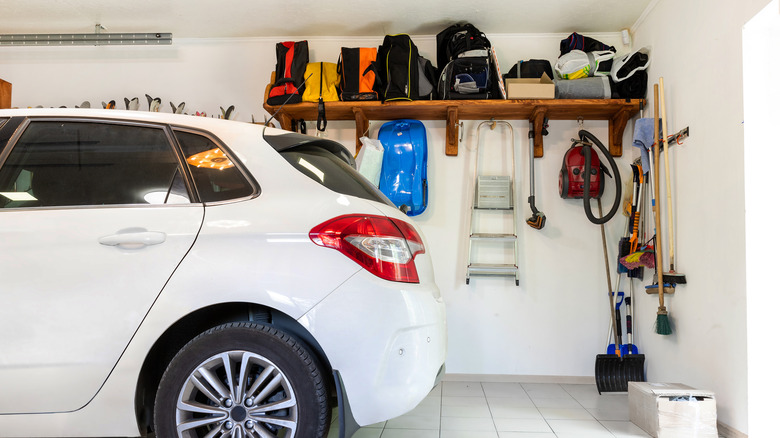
[196, 277]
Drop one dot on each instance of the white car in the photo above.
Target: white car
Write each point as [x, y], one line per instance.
[196, 277]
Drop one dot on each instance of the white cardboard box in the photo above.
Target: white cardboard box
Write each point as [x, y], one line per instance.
[672, 410]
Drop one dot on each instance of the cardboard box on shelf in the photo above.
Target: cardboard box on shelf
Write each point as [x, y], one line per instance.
[530, 88]
[666, 410]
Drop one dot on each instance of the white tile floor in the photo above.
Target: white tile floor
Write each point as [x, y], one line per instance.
[510, 410]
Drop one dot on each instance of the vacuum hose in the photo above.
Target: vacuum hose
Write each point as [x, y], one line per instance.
[587, 151]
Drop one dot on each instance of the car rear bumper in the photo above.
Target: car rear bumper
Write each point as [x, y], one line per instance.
[387, 341]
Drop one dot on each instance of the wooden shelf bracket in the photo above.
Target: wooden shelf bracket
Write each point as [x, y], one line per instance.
[451, 148]
[5, 94]
[361, 127]
[617, 124]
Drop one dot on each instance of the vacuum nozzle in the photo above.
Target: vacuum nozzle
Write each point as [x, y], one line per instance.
[537, 218]
[537, 221]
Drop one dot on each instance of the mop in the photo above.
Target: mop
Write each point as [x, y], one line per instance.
[662, 326]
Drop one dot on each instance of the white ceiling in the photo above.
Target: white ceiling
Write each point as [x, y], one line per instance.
[288, 18]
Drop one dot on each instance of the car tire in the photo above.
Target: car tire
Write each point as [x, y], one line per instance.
[276, 389]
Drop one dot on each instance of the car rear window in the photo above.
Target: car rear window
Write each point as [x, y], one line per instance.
[216, 177]
[332, 172]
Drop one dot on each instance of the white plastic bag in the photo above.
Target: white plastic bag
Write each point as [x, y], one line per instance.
[578, 64]
[369, 159]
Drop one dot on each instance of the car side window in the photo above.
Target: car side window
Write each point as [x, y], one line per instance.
[72, 163]
[216, 177]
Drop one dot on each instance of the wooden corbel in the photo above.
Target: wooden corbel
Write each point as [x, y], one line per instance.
[361, 127]
[451, 148]
[617, 124]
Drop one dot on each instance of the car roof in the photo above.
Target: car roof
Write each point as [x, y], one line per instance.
[117, 114]
[278, 138]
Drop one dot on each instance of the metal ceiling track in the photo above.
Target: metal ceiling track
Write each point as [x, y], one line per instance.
[87, 39]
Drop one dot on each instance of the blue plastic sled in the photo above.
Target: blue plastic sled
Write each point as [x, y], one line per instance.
[404, 177]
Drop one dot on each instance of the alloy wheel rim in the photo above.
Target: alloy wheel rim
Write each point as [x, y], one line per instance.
[236, 394]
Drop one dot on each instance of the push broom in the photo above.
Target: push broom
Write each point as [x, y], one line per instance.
[672, 276]
[662, 326]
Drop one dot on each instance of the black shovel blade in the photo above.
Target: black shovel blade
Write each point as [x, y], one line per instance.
[613, 372]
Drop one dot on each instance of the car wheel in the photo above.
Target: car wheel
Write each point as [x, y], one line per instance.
[242, 380]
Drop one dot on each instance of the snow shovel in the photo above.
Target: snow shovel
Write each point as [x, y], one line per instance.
[614, 371]
[611, 348]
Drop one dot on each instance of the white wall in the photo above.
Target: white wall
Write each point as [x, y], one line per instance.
[761, 115]
[556, 321]
[697, 49]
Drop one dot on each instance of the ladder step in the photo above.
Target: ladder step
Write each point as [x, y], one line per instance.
[510, 208]
[493, 236]
[489, 269]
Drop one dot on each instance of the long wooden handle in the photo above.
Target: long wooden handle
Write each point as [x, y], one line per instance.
[659, 267]
[669, 215]
[612, 293]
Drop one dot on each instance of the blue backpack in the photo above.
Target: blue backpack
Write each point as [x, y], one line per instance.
[404, 177]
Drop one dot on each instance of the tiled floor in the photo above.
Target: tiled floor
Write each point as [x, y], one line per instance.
[510, 410]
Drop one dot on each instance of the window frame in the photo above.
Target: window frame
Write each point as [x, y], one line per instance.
[166, 128]
[226, 150]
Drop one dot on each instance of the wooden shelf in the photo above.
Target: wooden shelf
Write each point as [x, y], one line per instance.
[617, 111]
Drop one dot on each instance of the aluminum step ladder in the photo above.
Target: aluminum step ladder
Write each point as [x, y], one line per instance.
[493, 193]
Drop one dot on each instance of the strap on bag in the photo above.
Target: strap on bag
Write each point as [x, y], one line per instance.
[322, 122]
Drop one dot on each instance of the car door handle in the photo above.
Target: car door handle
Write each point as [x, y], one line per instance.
[134, 239]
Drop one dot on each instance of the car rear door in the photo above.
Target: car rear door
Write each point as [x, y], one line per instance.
[94, 218]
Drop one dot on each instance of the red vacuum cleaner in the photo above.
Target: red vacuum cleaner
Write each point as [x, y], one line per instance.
[580, 161]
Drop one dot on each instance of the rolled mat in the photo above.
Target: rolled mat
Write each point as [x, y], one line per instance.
[596, 87]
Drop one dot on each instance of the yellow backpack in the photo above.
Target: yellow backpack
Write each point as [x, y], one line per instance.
[322, 82]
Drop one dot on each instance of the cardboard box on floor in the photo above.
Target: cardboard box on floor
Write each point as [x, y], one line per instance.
[530, 88]
[666, 410]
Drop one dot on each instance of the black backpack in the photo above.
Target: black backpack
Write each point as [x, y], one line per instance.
[396, 57]
[403, 73]
[576, 41]
[456, 40]
[466, 68]
[532, 68]
[291, 60]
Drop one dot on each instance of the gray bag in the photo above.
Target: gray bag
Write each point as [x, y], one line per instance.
[596, 87]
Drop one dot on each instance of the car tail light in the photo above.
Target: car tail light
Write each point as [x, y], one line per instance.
[386, 247]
